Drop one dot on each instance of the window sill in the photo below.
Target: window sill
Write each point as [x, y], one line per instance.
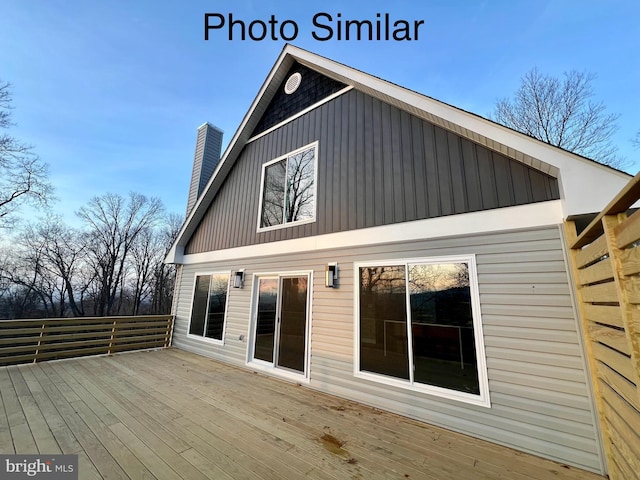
[212, 341]
[481, 400]
[285, 225]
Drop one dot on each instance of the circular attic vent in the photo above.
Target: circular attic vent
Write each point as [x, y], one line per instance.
[292, 83]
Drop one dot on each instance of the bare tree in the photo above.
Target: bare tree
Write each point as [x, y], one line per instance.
[34, 273]
[561, 112]
[5, 267]
[31, 290]
[114, 266]
[6, 282]
[164, 275]
[146, 252]
[114, 224]
[62, 257]
[23, 177]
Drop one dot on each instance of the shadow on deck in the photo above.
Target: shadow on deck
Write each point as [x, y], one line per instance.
[174, 415]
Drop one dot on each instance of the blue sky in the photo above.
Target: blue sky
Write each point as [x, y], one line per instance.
[110, 93]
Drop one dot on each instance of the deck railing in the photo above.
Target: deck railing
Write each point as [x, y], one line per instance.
[606, 270]
[25, 341]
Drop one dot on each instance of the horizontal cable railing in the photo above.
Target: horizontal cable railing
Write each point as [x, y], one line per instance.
[25, 341]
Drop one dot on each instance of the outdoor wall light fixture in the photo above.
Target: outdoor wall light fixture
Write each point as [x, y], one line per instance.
[238, 279]
[331, 275]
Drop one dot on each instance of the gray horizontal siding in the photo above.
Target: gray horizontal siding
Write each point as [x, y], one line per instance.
[540, 400]
[377, 165]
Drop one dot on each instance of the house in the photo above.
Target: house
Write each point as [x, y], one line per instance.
[370, 242]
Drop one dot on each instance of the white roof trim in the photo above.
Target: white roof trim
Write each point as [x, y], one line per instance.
[532, 215]
[585, 186]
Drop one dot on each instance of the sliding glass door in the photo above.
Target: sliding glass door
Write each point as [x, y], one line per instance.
[280, 323]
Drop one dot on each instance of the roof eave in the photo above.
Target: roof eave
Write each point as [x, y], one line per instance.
[228, 157]
[474, 127]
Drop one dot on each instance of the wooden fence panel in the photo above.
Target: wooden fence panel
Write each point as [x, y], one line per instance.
[605, 260]
[24, 341]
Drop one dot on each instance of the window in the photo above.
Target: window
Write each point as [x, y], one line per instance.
[418, 326]
[209, 306]
[288, 194]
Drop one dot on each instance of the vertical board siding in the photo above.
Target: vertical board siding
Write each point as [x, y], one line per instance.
[537, 380]
[377, 165]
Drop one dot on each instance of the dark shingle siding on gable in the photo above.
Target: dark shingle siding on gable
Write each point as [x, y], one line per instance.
[313, 88]
[377, 165]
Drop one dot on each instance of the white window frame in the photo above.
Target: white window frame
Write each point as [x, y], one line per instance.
[313, 145]
[483, 398]
[204, 338]
[271, 368]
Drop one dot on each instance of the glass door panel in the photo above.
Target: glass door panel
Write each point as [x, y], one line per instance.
[293, 323]
[266, 319]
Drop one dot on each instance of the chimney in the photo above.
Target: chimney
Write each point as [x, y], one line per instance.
[205, 161]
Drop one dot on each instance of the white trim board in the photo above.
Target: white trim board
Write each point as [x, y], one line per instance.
[301, 113]
[499, 219]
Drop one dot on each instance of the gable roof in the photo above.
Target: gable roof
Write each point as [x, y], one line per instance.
[586, 186]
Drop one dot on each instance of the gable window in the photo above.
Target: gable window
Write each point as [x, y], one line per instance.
[209, 307]
[288, 194]
[418, 326]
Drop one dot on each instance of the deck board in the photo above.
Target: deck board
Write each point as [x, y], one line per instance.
[107, 467]
[144, 437]
[173, 415]
[65, 439]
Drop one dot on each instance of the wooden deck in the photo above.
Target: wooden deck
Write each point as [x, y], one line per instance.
[173, 415]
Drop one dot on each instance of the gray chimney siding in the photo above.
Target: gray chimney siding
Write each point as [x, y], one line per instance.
[205, 160]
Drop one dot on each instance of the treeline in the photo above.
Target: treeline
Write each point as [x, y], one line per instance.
[112, 264]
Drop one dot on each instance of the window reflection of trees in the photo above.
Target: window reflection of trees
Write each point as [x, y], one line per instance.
[288, 191]
[441, 330]
[209, 304]
[273, 198]
[300, 180]
[217, 304]
[382, 299]
[440, 293]
[383, 320]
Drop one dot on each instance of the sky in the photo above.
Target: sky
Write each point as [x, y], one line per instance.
[110, 93]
